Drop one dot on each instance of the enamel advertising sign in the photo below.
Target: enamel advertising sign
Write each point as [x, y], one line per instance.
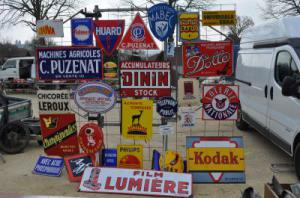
[145, 78]
[224, 17]
[138, 36]
[189, 26]
[108, 34]
[82, 32]
[109, 157]
[69, 63]
[53, 101]
[187, 117]
[220, 102]
[136, 182]
[48, 166]
[166, 107]
[207, 59]
[137, 119]
[130, 156]
[188, 92]
[90, 138]
[50, 28]
[59, 132]
[162, 19]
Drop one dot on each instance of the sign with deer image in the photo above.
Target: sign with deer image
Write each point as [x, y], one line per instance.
[137, 119]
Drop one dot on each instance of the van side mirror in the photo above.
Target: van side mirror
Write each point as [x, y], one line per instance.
[290, 86]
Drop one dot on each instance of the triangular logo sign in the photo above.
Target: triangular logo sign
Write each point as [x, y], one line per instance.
[138, 36]
[108, 34]
[216, 176]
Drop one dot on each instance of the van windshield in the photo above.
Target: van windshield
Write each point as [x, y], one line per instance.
[9, 64]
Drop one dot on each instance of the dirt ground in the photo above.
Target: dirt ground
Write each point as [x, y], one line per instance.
[16, 176]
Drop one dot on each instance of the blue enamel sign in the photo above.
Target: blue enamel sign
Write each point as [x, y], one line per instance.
[166, 107]
[109, 157]
[162, 19]
[82, 31]
[48, 166]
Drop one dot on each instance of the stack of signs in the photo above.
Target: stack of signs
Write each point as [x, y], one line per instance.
[58, 125]
[49, 28]
[90, 138]
[137, 119]
[82, 32]
[224, 17]
[137, 182]
[130, 156]
[216, 159]
[188, 92]
[220, 102]
[109, 157]
[188, 26]
[48, 166]
[145, 78]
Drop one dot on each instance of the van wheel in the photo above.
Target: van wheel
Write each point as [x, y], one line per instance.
[240, 123]
[297, 160]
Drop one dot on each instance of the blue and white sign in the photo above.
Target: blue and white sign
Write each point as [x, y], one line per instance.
[109, 157]
[82, 31]
[167, 107]
[162, 19]
[48, 166]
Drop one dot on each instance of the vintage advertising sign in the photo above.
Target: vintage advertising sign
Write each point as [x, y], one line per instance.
[224, 17]
[188, 92]
[48, 166]
[220, 102]
[137, 182]
[95, 97]
[109, 157]
[76, 164]
[82, 32]
[166, 129]
[216, 159]
[137, 119]
[189, 26]
[162, 19]
[145, 78]
[110, 70]
[130, 156]
[59, 133]
[69, 63]
[187, 117]
[53, 101]
[207, 59]
[166, 107]
[50, 28]
[138, 36]
[108, 34]
[90, 138]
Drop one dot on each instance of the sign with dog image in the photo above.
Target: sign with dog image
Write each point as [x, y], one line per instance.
[59, 132]
[220, 102]
[53, 101]
[130, 156]
[90, 138]
[137, 119]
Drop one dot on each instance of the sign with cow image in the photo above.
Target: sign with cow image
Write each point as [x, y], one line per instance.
[220, 102]
[53, 101]
[145, 78]
[202, 59]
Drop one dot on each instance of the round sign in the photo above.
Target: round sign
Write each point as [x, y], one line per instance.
[95, 97]
[167, 107]
[82, 32]
[138, 32]
[90, 138]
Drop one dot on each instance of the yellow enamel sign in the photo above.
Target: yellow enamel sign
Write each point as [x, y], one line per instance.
[189, 26]
[215, 159]
[227, 17]
[137, 119]
[130, 156]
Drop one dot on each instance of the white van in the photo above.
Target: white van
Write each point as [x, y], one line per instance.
[268, 75]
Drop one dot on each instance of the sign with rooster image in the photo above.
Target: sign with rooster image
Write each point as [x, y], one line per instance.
[137, 119]
[220, 102]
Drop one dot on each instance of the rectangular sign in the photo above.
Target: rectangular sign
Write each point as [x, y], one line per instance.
[48, 166]
[188, 117]
[53, 101]
[82, 31]
[226, 17]
[188, 26]
[109, 157]
[69, 63]
[145, 78]
[130, 156]
[50, 28]
[137, 182]
[188, 92]
[207, 59]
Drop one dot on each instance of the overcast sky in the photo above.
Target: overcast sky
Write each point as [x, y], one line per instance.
[243, 7]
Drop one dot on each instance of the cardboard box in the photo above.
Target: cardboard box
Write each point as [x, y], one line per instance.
[269, 193]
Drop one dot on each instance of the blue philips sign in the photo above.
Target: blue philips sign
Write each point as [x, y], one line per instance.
[109, 157]
[162, 19]
[48, 166]
[82, 32]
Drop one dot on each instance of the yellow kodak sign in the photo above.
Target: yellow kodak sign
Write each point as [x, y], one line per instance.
[130, 156]
[211, 18]
[215, 159]
[189, 26]
[137, 119]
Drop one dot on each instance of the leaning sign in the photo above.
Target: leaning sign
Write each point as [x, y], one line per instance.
[138, 182]
[53, 101]
[69, 63]
[226, 17]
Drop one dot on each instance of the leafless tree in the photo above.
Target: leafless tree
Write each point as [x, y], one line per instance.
[280, 8]
[235, 31]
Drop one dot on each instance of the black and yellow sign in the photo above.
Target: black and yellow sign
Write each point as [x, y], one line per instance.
[211, 18]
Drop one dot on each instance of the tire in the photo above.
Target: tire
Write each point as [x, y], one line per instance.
[240, 123]
[14, 137]
[297, 160]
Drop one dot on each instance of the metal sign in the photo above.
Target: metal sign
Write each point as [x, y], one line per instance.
[207, 59]
[82, 32]
[109, 157]
[90, 138]
[166, 107]
[48, 166]
[220, 102]
[130, 156]
[50, 28]
[166, 129]
[224, 17]
[187, 117]
[53, 101]
[108, 34]
[188, 92]
[162, 19]
[69, 63]
[138, 36]
[110, 70]
[188, 26]
[145, 78]
[137, 182]
[95, 97]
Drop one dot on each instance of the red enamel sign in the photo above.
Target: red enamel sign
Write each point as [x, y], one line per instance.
[90, 138]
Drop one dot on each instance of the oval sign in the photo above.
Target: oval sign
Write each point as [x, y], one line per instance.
[90, 138]
[167, 107]
[95, 97]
